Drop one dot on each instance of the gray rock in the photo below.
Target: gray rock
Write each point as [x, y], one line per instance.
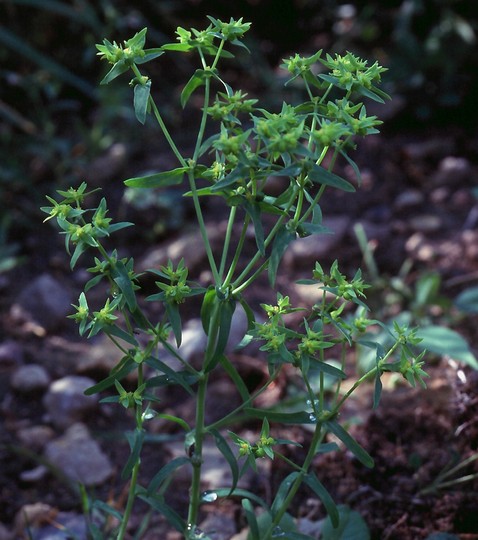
[45, 302]
[11, 354]
[35, 437]
[30, 378]
[79, 457]
[66, 402]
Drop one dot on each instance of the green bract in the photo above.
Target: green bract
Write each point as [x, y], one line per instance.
[247, 149]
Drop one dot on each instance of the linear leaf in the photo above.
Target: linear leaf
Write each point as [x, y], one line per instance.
[162, 179]
[281, 242]
[226, 451]
[136, 444]
[362, 455]
[121, 278]
[141, 101]
[165, 472]
[162, 508]
[197, 80]
[282, 492]
[251, 520]
[300, 417]
[319, 175]
[317, 487]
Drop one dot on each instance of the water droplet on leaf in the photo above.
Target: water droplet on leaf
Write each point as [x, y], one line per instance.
[209, 496]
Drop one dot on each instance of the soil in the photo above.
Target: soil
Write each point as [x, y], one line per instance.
[416, 204]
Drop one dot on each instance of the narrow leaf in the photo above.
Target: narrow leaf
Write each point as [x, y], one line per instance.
[319, 175]
[300, 417]
[158, 504]
[251, 520]
[120, 276]
[157, 180]
[362, 455]
[136, 444]
[281, 242]
[236, 378]
[282, 492]
[165, 472]
[194, 82]
[141, 101]
[351, 526]
[254, 211]
[226, 451]
[317, 487]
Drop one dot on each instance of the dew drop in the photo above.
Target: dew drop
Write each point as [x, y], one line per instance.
[312, 417]
[208, 496]
[278, 532]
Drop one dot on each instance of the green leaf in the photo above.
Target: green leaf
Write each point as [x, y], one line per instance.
[300, 417]
[206, 308]
[165, 472]
[141, 101]
[467, 300]
[223, 447]
[363, 456]
[447, 342]
[135, 440]
[158, 180]
[120, 276]
[236, 378]
[172, 310]
[319, 175]
[121, 373]
[317, 487]
[179, 47]
[197, 80]
[118, 69]
[282, 492]
[226, 311]
[158, 504]
[377, 392]
[177, 377]
[251, 520]
[282, 240]
[113, 330]
[254, 211]
[351, 526]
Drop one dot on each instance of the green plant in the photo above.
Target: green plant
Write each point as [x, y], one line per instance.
[420, 304]
[248, 147]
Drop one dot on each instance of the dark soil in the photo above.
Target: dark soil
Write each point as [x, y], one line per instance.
[412, 436]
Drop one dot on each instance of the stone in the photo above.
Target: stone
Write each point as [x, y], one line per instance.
[35, 437]
[79, 456]
[45, 302]
[30, 378]
[11, 354]
[66, 402]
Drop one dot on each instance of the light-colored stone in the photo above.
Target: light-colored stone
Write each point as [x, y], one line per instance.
[66, 402]
[44, 302]
[35, 437]
[30, 378]
[79, 457]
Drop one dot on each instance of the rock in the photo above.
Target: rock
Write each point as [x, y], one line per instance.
[11, 354]
[452, 170]
[44, 303]
[408, 199]
[31, 516]
[66, 402]
[30, 378]
[35, 437]
[67, 525]
[79, 457]
[306, 251]
[189, 245]
[5, 534]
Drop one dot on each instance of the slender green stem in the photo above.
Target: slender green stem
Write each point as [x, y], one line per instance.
[166, 133]
[316, 440]
[200, 431]
[227, 240]
[237, 254]
[135, 471]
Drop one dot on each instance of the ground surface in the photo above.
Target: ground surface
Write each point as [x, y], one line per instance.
[416, 204]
